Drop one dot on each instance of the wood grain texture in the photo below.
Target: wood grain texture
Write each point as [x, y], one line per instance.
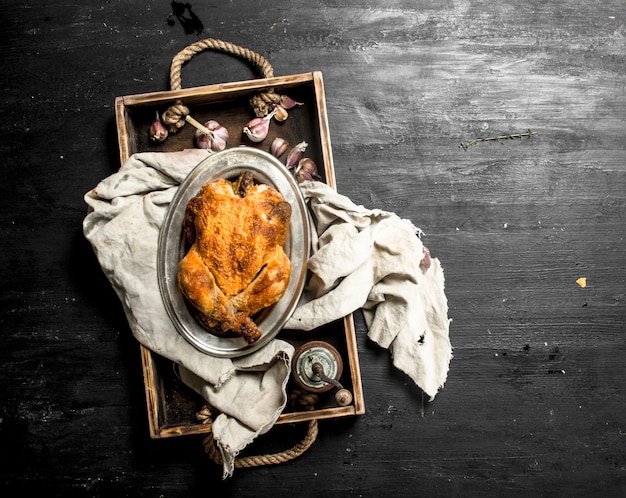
[534, 403]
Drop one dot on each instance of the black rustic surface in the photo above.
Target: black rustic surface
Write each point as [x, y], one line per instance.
[534, 404]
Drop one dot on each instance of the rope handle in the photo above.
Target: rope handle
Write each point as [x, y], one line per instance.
[268, 459]
[220, 46]
[299, 399]
[262, 103]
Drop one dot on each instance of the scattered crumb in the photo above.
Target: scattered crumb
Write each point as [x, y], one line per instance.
[582, 282]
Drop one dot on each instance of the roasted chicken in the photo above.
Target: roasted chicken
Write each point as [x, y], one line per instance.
[236, 265]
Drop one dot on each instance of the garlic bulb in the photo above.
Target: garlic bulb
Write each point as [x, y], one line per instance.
[295, 154]
[306, 170]
[257, 129]
[279, 146]
[215, 140]
[158, 131]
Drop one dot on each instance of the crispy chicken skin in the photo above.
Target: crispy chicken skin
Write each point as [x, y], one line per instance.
[236, 265]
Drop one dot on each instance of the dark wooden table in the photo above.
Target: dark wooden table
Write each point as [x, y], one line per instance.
[534, 404]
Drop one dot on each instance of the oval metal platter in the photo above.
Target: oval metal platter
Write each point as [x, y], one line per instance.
[171, 249]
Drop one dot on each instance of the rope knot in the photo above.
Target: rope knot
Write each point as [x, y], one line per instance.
[263, 103]
[174, 116]
[303, 400]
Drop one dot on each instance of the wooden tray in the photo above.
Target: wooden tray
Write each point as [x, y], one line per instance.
[171, 405]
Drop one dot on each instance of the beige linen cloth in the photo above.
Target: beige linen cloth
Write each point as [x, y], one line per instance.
[367, 259]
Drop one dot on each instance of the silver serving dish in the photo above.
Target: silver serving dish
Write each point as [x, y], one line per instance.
[228, 164]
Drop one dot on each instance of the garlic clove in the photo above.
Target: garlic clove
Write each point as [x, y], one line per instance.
[281, 113]
[288, 103]
[158, 131]
[295, 154]
[203, 141]
[257, 129]
[306, 170]
[279, 146]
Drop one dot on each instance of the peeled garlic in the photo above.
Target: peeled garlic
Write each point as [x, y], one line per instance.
[216, 140]
[281, 113]
[158, 131]
[295, 154]
[306, 170]
[257, 129]
[279, 146]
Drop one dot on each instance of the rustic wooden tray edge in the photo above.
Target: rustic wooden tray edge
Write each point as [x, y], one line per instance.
[128, 146]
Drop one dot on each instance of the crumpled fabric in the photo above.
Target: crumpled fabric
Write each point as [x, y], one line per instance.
[374, 260]
[125, 213]
[362, 258]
